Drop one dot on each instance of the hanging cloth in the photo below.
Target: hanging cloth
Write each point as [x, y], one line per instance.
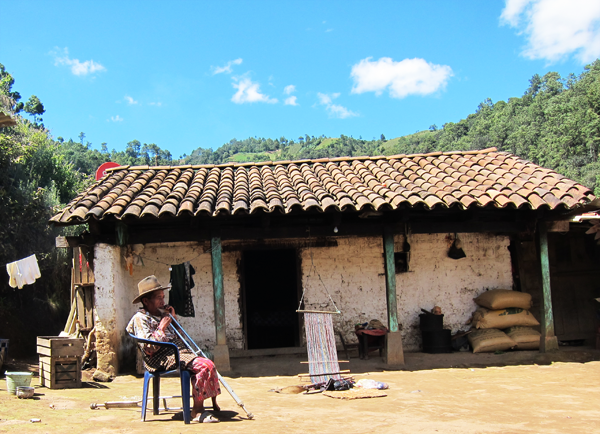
[180, 296]
[23, 272]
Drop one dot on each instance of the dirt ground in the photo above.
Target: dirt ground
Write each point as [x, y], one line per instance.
[519, 392]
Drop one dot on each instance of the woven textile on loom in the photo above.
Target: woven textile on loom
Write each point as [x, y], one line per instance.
[320, 344]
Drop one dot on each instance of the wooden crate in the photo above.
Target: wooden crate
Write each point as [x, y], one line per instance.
[60, 372]
[60, 361]
[55, 346]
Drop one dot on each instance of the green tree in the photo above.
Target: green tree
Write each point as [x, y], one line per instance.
[35, 108]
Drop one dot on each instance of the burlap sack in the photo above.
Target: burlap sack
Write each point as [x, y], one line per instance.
[490, 340]
[503, 318]
[525, 337]
[502, 298]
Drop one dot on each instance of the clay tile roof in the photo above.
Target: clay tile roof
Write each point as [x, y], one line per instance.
[431, 181]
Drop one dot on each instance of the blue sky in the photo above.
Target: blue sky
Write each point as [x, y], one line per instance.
[189, 74]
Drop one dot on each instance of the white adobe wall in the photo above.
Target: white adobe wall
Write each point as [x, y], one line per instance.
[353, 273]
[200, 327]
[116, 288]
[109, 303]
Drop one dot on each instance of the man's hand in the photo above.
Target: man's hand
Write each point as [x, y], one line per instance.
[164, 323]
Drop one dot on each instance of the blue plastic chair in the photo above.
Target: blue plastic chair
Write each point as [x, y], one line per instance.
[155, 376]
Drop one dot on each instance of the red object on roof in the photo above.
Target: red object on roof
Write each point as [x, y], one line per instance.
[102, 169]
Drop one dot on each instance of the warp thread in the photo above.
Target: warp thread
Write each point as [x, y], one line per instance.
[320, 344]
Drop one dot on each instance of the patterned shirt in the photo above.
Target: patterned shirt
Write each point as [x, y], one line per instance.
[145, 326]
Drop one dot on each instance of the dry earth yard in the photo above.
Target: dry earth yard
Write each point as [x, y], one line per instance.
[525, 394]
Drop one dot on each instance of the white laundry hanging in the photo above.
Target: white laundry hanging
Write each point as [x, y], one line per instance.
[23, 272]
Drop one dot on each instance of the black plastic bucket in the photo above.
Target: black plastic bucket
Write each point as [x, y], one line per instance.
[431, 322]
[437, 341]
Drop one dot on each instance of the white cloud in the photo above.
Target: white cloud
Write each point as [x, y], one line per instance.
[555, 29]
[512, 10]
[116, 118]
[130, 100]
[227, 68]
[291, 100]
[407, 77]
[61, 57]
[157, 104]
[248, 91]
[327, 99]
[334, 110]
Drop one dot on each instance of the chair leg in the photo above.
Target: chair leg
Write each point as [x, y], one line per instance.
[155, 393]
[147, 376]
[344, 345]
[185, 395]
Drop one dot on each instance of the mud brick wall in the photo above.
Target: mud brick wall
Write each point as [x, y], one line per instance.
[353, 273]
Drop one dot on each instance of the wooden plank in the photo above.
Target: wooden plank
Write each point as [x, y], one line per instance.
[76, 268]
[89, 306]
[318, 311]
[218, 293]
[344, 371]
[231, 232]
[84, 266]
[390, 278]
[72, 285]
[65, 367]
[61, 242]
[558, 226]
[65, 375]
[80, 304]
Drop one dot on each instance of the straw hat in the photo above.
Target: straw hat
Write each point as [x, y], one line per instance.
[148, 285]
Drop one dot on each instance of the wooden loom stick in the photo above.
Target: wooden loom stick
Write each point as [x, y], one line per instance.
[317, 311]
[345, 371]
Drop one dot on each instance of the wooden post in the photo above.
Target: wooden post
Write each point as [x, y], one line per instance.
[394, 353]
[221, 351]
[390, 278]
[548, 340]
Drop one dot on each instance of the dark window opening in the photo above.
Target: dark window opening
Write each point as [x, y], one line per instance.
[401, 260]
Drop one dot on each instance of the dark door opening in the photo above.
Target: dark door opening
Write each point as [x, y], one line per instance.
[271, 298]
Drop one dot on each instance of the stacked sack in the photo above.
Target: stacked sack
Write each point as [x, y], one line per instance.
[503, 321]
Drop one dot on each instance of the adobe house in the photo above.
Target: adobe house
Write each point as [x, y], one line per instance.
[371, 232]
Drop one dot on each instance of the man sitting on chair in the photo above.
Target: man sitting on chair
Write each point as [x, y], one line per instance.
[152, 322]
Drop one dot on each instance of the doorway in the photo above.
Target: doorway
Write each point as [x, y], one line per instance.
[271, 298]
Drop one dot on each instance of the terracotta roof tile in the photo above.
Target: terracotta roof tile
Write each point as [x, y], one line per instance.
[452, 179]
